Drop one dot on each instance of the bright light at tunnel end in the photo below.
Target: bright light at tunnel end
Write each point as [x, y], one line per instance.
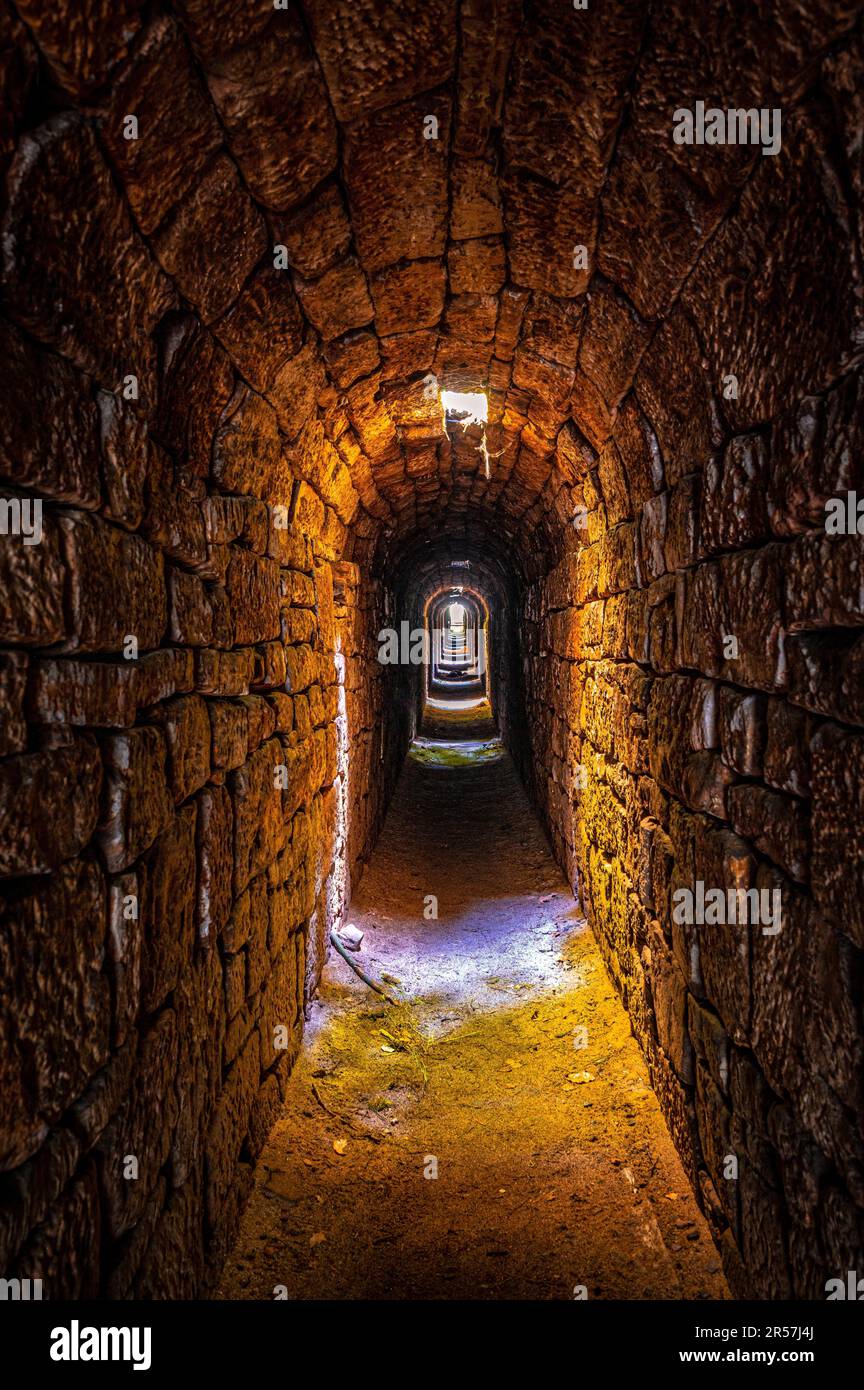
[471, 407]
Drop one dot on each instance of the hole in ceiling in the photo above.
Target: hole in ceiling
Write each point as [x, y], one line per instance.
[469, 407]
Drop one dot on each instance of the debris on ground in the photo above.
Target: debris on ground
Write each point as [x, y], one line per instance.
[350, 936]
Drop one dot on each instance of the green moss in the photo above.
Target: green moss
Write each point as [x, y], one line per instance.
[430, 753]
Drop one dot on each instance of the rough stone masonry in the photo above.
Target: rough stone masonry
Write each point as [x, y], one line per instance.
[237, 242]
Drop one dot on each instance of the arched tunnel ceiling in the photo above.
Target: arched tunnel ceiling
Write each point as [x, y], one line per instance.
[428, 567]
[479, 196]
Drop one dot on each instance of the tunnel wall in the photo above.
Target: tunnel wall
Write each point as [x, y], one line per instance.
[194, 759]
[165, 921]
[740, 764]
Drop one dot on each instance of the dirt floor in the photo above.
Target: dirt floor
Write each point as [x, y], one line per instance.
[495, 1136]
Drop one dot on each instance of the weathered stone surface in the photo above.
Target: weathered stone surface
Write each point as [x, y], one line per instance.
[787, 748]
[174, 520]
[777, 825]
[116, 587]
[824, 582]
[18, 69]
[223, 673]
[126, 457]
[215, 862]
[54, 985]
[32, 577]
[477, 266]
[229, 1127]
[124, 957]
[166, 878]
[338, 302]
[814, 455]
[247, 451]
[201, 1029]
[476, 207]
[75, 273]
[757, 266]
[678, 399]
[734, 510]
[385, 155]
[138, 805]
[487, 38]
[66, 782]
[351, 356]
[32, 1188]
[83, 43]
[219, 26]
[229, 722]
[253, 591]
[316, 235]
[190, 609]
[295, 389]
[738, 599]
[187, 738]
[555, 169]
[64, 1251]
[141, 1130]
[669, 242]
[13, 724]
[105, 694]
[803, 997]
[408, 297]
[836, 826]
[613, 341]
[547, 223]
[375, 54]
[273, 104]
[49, 427]
[669, 1004]
[259, 828]
[264, 327]
[177, 130]
[742, 730]
[197, 384]
[212, 241]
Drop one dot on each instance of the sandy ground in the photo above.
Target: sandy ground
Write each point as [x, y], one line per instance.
[466, 1144]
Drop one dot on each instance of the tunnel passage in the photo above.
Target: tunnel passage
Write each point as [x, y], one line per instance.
[455, 698]
[244, 250]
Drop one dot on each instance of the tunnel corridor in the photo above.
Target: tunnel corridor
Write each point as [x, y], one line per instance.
[429, 471]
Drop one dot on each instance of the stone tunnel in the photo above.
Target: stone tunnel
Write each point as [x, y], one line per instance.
[245, 249]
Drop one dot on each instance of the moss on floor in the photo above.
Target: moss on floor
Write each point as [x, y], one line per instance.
[465, 753]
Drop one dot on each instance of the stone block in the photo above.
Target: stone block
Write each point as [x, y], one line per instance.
[138, 806]
[58, 994]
